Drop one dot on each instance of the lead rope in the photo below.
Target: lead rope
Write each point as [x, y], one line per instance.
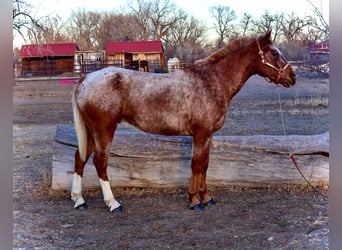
[291, 155]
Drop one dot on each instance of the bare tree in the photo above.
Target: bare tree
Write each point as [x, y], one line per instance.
[53, 32]
[141, 11]
[185, 38]
[313, 33]
[223, 16]
[292, 27]
[322, 24]
[116, 27]
[23, 19]
[163, 16]
[84, 27]
[245, 23]
[154, 17]
[92, 30]
[267, 22]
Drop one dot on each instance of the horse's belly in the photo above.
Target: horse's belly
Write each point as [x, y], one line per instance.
[158, 124]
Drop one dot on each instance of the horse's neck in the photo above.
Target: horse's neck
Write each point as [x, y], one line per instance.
[235, 72]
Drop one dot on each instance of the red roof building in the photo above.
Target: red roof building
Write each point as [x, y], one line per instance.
[134, 47]
[123, 54]
[45, 50]
[47, 59]
[319, 53]
[320, 47]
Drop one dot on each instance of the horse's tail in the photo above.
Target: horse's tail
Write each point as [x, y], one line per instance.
[81, 130]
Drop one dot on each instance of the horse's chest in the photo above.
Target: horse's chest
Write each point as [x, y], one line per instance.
[211, 115]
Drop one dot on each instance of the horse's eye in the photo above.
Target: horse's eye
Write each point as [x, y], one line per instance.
[275, 53]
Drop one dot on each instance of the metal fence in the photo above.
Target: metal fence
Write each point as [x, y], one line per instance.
[50, 68]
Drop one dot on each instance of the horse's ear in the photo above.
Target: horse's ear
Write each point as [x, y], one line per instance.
[268, 34]
[266, 39]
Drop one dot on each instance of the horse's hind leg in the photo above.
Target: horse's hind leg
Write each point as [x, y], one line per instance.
[76, 190]
[103, 144]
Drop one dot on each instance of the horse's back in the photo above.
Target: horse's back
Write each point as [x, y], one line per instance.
[134, 80]
[136, 89]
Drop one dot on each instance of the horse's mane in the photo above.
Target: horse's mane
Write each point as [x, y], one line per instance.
[228, 49]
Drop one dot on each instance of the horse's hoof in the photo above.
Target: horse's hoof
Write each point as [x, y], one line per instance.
[210, 202]
[119, 209]
[82, 206]
[198, 207]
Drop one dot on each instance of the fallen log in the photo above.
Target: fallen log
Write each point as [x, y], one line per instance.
[140, 160]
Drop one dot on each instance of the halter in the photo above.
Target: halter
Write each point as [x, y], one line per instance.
[280, 70]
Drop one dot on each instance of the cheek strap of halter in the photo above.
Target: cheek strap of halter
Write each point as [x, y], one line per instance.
[263, 61]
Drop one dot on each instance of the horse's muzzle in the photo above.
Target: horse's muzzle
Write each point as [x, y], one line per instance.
[289, 81]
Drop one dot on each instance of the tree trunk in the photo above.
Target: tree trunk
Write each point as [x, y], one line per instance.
[140, 160]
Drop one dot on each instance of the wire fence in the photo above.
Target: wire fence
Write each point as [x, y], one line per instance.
[55, 68]
[49, 69]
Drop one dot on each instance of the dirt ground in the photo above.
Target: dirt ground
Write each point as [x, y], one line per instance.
[273, 218]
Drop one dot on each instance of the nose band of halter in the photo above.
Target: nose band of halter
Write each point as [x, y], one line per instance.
[280, 70]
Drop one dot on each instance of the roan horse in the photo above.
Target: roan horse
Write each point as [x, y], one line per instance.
[141, 65]
[190, 102]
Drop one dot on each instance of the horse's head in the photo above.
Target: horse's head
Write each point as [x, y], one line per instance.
[272, 64]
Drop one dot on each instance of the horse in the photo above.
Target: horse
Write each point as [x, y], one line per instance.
[173, 64]
[189, 102]
[141, 65]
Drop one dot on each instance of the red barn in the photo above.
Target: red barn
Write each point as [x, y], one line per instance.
[47, 59]
[126, 52]
[319, 53]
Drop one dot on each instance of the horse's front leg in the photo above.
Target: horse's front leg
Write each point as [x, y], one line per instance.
[200, 159]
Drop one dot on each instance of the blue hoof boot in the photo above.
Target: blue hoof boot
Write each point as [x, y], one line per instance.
[82, 206]
[198, 207]
[210, 202]
[119, 209]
